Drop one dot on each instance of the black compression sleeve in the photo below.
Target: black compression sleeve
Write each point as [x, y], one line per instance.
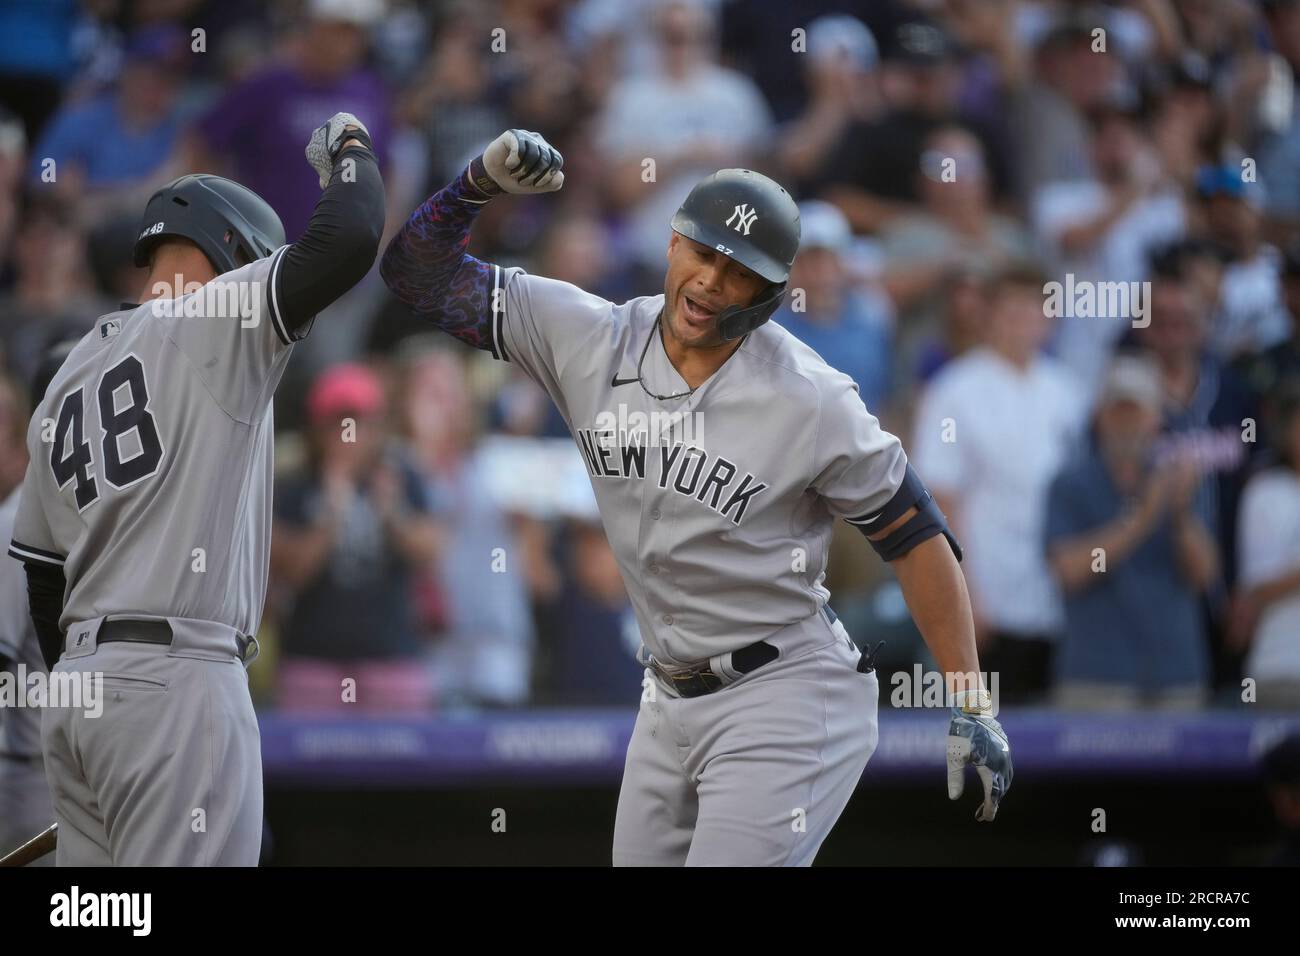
[45, 586]
[340, 243]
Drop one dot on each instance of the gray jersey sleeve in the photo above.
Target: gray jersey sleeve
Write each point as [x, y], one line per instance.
[542, 324]
[33, 540]
[858, 465]
[15, 623]
[232, 333]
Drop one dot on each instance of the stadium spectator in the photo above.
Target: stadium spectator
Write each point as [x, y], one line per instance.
[1267, 606]
[1249, 315]
[51, 298]
[456, 100]
[593, 635]
[350, 532]
[1208, 409]
[956, 228]
[847, 324]
[1129, 542]
[483, 654]
[962, 312]
[689, 116]
[1265, 372]
[255, 131]
[843, 89]
[1278, 142]
[992, 430]
[14, 415]
[13, 152]
[117, 146]
[872, 172]
[36, 58]
[1099, 229]
[1065, 81]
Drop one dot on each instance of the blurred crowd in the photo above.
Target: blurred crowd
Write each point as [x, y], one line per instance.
[1120, 457]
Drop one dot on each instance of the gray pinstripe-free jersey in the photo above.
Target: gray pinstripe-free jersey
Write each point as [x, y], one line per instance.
[151, 457]
[719, 506]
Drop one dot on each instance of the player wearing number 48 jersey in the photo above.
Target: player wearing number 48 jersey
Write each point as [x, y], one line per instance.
[721, 451]
[145, 514]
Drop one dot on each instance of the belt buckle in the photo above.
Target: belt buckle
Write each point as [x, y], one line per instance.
[695, 682]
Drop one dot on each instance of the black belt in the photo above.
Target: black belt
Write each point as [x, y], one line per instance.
[148, 632]
[20, 758]
[698, 681]
[135, 632]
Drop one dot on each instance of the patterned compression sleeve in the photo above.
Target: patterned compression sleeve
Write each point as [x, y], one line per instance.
[426, 265]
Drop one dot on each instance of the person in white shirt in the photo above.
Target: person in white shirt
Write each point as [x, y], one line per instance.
[1267, 608]
[1103, 229]
[992, 430]
[689, 117]
[1250, 315]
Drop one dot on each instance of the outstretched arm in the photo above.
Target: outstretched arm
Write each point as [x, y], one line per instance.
[426, 265]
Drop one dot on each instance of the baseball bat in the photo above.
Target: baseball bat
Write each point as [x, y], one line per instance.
[33, 849]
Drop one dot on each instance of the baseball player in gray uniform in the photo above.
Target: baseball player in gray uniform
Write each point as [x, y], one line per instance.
[721, 451]
[144, 518]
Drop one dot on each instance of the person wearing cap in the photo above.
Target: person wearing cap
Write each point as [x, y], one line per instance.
[1250, 315]
[123, 137]
[350, 531]
[1129, 541]
[848, 325]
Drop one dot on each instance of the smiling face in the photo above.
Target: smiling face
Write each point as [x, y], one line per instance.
[700, 283]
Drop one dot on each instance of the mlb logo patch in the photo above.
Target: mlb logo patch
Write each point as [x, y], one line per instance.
[110, 329]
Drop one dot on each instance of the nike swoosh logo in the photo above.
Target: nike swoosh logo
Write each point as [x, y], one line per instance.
[616, 381]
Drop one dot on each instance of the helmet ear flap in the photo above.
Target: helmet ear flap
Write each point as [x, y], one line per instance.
[735, 322]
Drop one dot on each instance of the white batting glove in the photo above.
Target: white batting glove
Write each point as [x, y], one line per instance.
[519, 161]
[975, 738]
[325, 143]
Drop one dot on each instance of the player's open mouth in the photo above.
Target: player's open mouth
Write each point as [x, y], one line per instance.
[695, 313]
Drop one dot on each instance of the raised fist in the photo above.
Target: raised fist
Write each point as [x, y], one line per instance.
[328, 139]
[518, 161]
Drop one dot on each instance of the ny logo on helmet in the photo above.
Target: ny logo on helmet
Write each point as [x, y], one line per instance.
[743, 217]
